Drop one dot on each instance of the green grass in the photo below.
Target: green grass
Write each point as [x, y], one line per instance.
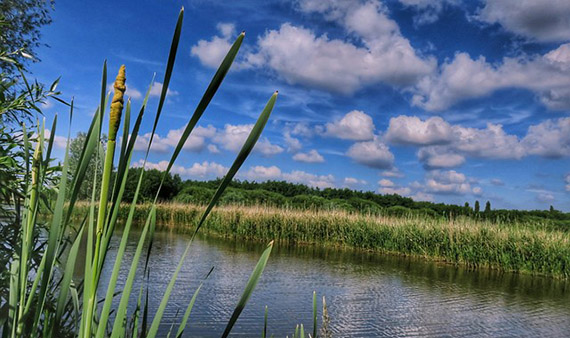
[518, 247]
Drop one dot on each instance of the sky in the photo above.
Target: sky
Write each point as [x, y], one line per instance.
[446, 100]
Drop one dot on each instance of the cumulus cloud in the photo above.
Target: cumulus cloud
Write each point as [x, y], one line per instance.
[156, 90]
[232, 138]
[550, 138]
[196, 142]
[393, 172]
[567, 181]
[380, 55]
[402, 191]
[465, 78]
[449, 182]
[386, 183]
[293, 143]
[544, 20]
[411, 130]
[58, 141]
[351, 182]
[261, 173]
[204, 170]
[437, 157]
[312, 156]
[355, 125]
[374, 154]
[427, 11]
[212, 52]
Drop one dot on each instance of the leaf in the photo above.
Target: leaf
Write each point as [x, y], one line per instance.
[251, 283]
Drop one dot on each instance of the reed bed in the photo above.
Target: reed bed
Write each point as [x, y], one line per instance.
[515, 247]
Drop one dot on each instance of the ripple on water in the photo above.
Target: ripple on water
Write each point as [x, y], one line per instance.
[368, 295]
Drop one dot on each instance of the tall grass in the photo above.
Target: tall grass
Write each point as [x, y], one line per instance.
[48, 299]
[514, 247]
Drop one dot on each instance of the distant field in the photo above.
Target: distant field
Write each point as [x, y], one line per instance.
[519, 247]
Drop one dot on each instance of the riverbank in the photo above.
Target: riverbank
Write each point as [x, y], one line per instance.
[516, 247]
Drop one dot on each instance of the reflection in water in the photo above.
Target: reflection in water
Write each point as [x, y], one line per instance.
[368, 294]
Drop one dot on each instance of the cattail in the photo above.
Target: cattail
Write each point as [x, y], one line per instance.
[117, 104]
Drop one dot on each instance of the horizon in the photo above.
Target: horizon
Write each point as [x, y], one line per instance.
[473, 105]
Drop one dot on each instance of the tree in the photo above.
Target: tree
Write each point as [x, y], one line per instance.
[95, 166]
[487, 207]
[552, 210]
[477, 208]
[20, 23]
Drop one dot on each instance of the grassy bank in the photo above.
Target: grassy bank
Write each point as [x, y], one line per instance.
[519, 247]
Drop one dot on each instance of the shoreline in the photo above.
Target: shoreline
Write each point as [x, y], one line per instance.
[510, 247]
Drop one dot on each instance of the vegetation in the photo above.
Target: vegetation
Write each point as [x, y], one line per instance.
[44, 294]
[531, 247]
[299, 196]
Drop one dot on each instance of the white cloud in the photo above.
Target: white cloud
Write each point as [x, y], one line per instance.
[542, 20]
[383, 54]
[156, 90]
[261, 173]
[550, 138]
[386, 183]
[437, 157]
[402, 191]
[212, 52]
[545, 197]
[59, 142]
[302, 129]
[204, 170]
[293, 144]
[233, 137]
[196, 142]
[356, 125]
[373, 153]
[497, 182]
[266, 148]
[213, 149]
[412, 130]
[312, 156]
[131, 91]
[351, 182]
[393, 172]
[427, 11]
[448, 182]
[465, 78]
[422, 196]
[567, 181]
[226, 29]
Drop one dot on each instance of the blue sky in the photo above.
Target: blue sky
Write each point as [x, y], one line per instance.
[447, 100]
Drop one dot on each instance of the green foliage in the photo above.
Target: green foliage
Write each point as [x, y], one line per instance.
[20, 23]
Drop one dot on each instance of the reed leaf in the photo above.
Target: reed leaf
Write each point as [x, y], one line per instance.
[250, 286]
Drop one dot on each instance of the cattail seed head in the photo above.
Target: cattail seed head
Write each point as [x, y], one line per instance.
[117, 104]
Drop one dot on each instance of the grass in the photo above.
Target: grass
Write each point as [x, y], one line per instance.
[517, 247]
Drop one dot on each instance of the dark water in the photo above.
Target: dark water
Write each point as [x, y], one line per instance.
[368, 295]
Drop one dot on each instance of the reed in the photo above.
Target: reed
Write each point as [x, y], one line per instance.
[48, 298]
[516, 247]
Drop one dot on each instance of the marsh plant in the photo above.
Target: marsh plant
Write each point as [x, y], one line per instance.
[47, 297]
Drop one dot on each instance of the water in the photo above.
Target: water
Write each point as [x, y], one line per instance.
[368, 295]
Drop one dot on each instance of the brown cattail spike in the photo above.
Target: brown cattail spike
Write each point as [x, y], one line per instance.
[117, 104]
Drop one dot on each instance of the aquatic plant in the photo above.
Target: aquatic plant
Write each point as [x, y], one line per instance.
[528, 247]
[49, 299]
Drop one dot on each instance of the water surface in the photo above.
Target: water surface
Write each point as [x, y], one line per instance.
[368, 295]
